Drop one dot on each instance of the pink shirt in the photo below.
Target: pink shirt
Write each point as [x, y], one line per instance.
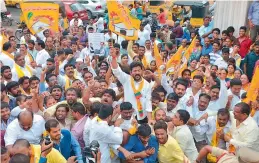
[78, 130]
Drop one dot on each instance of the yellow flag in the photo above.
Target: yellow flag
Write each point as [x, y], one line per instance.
[158, 57]
[252, 93]
[40, 16]
[175, 59]
[187, 55]
[121, 22]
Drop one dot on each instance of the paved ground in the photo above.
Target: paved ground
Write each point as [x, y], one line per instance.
[15, 16]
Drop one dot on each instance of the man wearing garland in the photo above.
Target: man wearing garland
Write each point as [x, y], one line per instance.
[137, 90]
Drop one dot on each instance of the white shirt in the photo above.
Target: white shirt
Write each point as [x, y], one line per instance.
[221, 102]
[107, 137]
[86, 52]
[235, 99]
[16, 111]
[183, 136]
[130, 97]
[256, 117]
[198, 131]
[221, 63]
[33, 135]
[100, 24]
[6, 60]
[71, 23]
[195, 97]
[149, 57]
[245, 135]
[107, 37]
[211, 122]
[42, 57]
[25, 71]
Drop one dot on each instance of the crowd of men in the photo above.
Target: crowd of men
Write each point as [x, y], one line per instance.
[58, 96]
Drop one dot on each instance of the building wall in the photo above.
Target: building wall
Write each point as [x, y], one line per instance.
[231, 13]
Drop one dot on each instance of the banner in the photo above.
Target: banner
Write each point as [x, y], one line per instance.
[40, 16]
[121, 22]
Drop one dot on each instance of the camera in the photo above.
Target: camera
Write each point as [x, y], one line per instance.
[47, 140]
[93, 147]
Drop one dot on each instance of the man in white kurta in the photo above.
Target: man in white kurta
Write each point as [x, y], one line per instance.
[136, 80]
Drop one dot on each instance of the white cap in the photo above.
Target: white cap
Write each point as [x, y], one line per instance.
[79, 60]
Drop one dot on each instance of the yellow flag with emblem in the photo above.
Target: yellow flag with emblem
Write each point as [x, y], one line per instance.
[175, 60]
[121, 22]
[40, 16]
[187, 55]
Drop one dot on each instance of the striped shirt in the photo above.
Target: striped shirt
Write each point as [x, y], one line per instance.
[214, 57]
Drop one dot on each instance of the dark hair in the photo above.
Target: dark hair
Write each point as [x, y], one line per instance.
[161, 10]
[225, 50]
[215, 87]
[125, 106]
[95, 108]
[22, 79]
[231, 29]
[214, 66]
[3, 87]
[41, 43]
[3, 68]
[256, 43]
[205, 95]
[124, 55]
[235, 82]
[4, 105]
[245, 108]
[173, 96]
[6, 46]
[116, 45]
[111, 92]
[155, 96]
[124, 44]
[181, 82]
[68, 65]
[51, 60]
[216, 29]
[51, 123]
[22, 143]
[31, 42]
[62, 105]
[136, 64]
[55, 86]
[105, 111]
[184, 115]
[216, 42]
[136, 44]
[49, 76]
[3, 150]
[33, 78]
[11, 84]
[160, 125]
[186, 70]
[144, 130]
[68, 51]
[20, 98]
[160, 89]
[223, 112]
[199, 77]
[71, 89]
[153, 34]
[20, 158]
[79, 107]
[60, 52]
[243, 28]
[225, 32]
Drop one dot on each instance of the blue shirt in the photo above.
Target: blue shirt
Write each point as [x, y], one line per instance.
[206, 50]
[135, 145]
[139, 13]
[253, 13]
[69, 146]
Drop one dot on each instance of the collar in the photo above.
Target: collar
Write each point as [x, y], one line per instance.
[246, 122]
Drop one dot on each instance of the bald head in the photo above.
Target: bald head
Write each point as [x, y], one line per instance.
[25, 119]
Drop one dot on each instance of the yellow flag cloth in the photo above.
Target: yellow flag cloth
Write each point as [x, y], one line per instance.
[158, 57]
[254, 87]
[175, 59]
